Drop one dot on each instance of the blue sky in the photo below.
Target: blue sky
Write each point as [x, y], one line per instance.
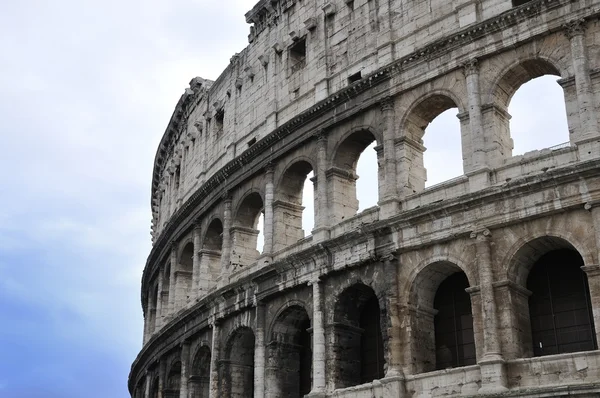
[87, 88]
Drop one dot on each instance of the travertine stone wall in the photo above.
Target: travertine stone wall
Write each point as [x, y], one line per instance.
[319, 82]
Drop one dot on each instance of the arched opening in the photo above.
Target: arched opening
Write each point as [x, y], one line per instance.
[289, 355]
[151, 319]
[288, 208]
[237, 372]
[441, 324]
[173, 381]
[245, 232]
[343, 176]
[200, 374]
[453, 323]
[183, 276]
[210, 255]
[358, 354]
[541, 119]
[140, 389]
[560, 309]
[444, 136]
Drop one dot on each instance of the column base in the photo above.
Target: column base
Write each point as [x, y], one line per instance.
[389, 208]
[316, 394]
[479, 179]
[320, 234]
[493, 374]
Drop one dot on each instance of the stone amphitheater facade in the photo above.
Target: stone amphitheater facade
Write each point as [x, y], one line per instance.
[486, 284]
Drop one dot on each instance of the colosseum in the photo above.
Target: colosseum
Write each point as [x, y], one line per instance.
[483, 285]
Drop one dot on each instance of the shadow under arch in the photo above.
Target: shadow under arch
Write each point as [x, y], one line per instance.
[551, 311]
[237, 366]
[200, 373]
[244, 231]
[289, 354]
[440, 303]
[358, 352]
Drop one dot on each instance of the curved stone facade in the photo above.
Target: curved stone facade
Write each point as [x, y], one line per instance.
[485, 284]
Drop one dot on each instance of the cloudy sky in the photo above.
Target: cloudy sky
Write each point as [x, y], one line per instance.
[86, 90]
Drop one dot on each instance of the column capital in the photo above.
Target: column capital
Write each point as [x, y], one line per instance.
[320, 135]
[574, 28]
[591, 204]
[470, 67]
[481, 234]
[591, 270]
[173, 245]
[227, 197]
[387, 104]
[270, 167]
[197, 226]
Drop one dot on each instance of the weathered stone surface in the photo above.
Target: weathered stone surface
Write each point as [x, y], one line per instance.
[354, 309]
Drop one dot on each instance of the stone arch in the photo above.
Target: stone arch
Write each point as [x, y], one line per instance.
[419, 115]
[213, 236]
[425, 284]
[341, 176]
[244, 233]
[165, 295]
[289, 353]
[173, 383]
[528, 249]
[358, 352]
[237, 367]
[496, 117]
[200, 373]
[545, 269]
[288, 206]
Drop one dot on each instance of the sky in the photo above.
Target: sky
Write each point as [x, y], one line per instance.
[86, 91]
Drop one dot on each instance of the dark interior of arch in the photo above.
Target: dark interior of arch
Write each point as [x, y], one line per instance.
[186, 261]
[200, 374]
[213, 240]
[350, 150]
[238, 369]
[359, 341]
[289, 354]
[453, 324]
[559, 306]
[292, 183]
[154, 389]
[249, 211]
[521, 74]
[173, 381]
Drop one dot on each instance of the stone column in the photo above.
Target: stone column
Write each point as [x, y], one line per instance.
[493, 370]
[148, 386]
[214, 360]
[162, 369]
[269, 196]
[226, 246]
[593, 270]
[196, 271]
[159, 309]
[173, 278]
[321, 231]
[395, 348]
[575, 31]
[259, 352]
[471, 71]
[389, 204]
[318, 336]
[185, 359]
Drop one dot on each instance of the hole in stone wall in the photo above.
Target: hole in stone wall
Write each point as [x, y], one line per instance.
[251, 142]
[539, 117]
[443, 158]
[354, 78]
[297, 55]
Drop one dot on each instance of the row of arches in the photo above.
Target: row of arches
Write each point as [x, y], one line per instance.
[443, 328]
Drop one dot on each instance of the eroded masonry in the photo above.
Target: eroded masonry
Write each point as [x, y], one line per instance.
[486, 284]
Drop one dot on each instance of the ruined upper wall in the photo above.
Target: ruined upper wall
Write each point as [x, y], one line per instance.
[300, 52]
